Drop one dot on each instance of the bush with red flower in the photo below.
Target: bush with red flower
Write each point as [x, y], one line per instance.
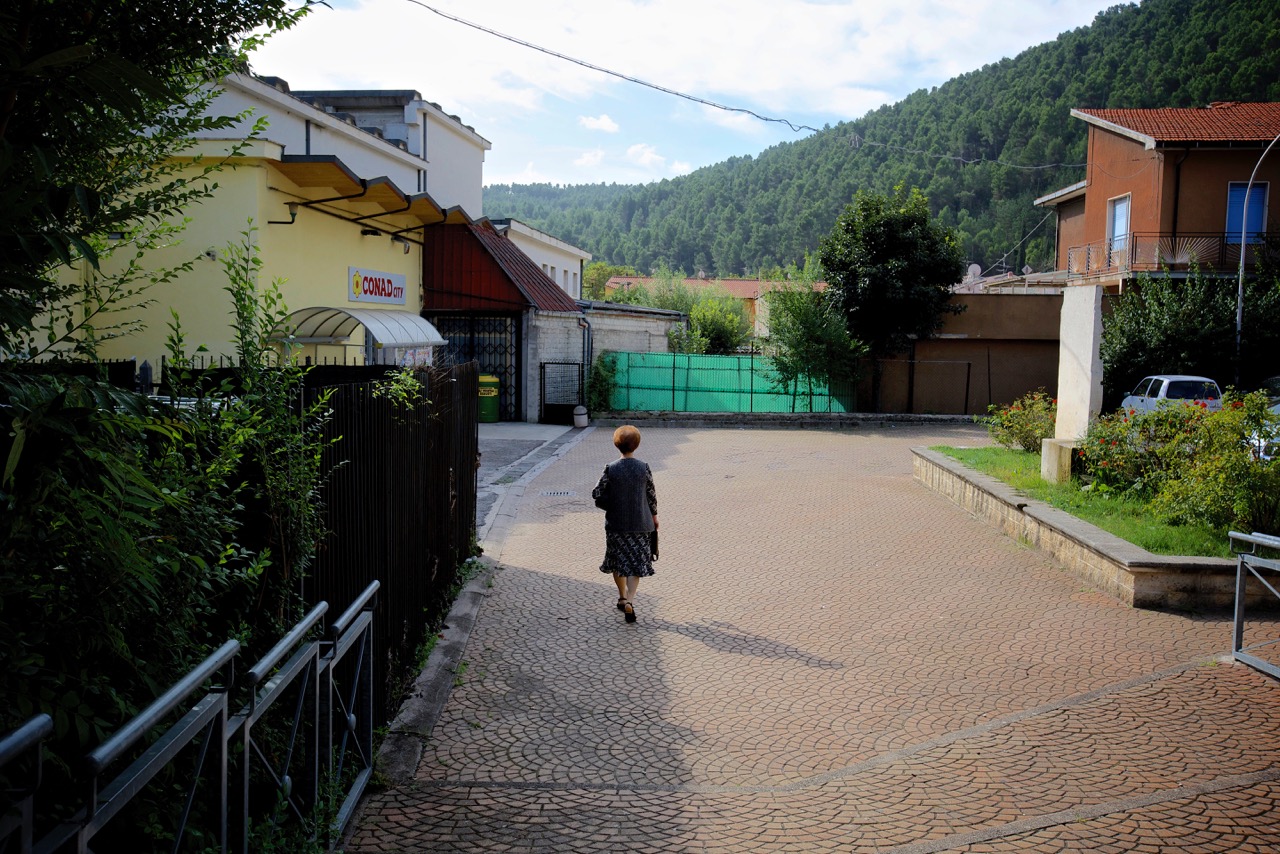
[1023, 423]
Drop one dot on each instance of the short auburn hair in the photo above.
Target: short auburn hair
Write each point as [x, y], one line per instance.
[626, 438]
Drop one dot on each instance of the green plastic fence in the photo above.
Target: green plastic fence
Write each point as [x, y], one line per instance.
[678, 382]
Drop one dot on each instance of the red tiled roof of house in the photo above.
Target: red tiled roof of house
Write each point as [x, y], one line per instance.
[740, 288]
[1226, 121]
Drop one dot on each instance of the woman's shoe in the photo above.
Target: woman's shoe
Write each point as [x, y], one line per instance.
[622, 604]
[629, 611]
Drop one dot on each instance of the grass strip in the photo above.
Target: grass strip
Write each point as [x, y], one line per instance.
[1123, 515]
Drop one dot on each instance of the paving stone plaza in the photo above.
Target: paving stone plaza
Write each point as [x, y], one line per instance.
[830, 658]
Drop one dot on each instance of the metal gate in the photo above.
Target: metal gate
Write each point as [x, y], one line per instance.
[494, 342]
[561, 387]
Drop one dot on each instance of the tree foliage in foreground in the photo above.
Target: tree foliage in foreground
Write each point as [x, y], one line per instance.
[81, 81]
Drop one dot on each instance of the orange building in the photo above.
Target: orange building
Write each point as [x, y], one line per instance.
[1165, 188]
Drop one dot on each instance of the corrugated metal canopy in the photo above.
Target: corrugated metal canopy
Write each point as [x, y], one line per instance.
[389, 328]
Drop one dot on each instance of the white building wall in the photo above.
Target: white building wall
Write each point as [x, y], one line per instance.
[454, 163]
[562, 262]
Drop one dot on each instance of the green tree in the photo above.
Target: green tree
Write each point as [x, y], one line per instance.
[95, 96]
[808, 339]
[597, 273]
[1163, 325]
[890, 269]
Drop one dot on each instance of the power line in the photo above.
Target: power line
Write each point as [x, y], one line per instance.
[856, 140]
[795, 127]
[1027, 237]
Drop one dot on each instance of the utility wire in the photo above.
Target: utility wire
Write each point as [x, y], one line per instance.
[795, 127]
[1015, 247]
[856, 140]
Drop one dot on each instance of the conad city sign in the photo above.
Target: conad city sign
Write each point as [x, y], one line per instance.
[375, 286]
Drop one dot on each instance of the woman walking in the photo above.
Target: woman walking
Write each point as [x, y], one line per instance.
[626, 494]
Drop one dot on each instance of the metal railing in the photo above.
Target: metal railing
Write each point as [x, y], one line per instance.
[327, 741]
[1152, 252]
[1249, 564]
[24, 743]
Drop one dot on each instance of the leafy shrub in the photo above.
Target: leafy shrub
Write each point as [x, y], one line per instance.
[602, 382]
[1024, 423]
[1138, 451]
[1193, 466]
[1221, 481]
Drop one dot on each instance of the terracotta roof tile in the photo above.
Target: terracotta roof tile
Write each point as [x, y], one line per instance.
[1227, 121]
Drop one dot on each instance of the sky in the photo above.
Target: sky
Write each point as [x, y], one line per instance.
[549, 120]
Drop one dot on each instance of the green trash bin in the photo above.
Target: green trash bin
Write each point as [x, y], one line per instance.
[488, 398]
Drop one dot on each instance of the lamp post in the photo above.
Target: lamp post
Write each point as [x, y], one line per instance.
[1244, 230]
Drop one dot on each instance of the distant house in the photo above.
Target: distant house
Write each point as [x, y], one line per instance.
[1165, 188]
[749, 291]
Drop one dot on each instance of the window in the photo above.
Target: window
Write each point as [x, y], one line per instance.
[1118, 232]
[1257, 211]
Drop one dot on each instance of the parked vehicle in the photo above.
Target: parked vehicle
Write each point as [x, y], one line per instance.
[1161, 389]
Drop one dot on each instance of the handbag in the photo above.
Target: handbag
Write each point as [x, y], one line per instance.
[653, 545]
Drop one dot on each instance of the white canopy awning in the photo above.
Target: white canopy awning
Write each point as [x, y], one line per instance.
[386, 328]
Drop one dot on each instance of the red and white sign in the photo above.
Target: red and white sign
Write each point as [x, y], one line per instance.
[375, 286]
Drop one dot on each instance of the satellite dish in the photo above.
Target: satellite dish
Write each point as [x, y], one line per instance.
[975, 270]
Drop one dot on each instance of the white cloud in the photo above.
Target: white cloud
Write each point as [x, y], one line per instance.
[600, 122]
[645, 155]
[679, 167]
[594, 157]
[808, 62]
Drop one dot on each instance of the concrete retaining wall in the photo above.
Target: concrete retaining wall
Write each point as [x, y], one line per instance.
[1133, 575]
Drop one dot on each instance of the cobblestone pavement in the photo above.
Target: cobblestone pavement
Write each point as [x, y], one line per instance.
[830, 658]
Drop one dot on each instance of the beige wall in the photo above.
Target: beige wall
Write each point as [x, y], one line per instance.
[1002, 346]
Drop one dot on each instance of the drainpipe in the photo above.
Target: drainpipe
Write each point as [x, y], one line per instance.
[587, 345]
[1177, 196]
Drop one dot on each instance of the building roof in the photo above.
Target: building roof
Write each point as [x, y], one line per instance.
[542, 293]
[1223, 122]
[740, 288]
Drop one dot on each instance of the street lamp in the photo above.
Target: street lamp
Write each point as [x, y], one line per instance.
[1244, 230]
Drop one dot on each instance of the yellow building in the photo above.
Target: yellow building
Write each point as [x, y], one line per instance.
[333, 221]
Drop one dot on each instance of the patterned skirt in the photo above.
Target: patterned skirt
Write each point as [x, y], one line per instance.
[627, 554]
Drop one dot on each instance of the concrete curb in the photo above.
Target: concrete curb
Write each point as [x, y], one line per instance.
[1124, 571]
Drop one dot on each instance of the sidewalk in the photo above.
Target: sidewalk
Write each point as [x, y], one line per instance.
[830, 658]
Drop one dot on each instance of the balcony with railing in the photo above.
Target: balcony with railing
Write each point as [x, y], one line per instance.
[1154, 252]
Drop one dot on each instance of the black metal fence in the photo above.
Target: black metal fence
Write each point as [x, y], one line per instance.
[401, 507]
[400, 513]
[215, 780]
[561, 389]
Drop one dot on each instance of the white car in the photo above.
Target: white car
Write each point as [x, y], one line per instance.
[1155, 391]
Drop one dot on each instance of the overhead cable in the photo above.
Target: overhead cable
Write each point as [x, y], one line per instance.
[855, 139]
[795, 127]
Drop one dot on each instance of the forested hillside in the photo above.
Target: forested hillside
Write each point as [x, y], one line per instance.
[754, 212]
